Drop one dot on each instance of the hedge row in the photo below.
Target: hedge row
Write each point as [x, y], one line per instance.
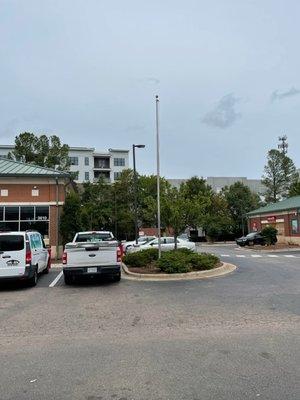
[174, 261]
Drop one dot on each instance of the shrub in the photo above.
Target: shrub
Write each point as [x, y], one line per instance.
[203, 261]
[176, 261]
[141, 258]
[182, 260]
[270, 235]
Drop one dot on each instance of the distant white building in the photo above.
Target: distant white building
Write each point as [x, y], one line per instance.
[89, 164]
[218, 183]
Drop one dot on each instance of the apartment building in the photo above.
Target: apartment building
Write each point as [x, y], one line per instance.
[218, 183]
[89, 165]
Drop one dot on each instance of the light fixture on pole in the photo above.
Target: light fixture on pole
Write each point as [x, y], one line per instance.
[158, 177]
[136, 233]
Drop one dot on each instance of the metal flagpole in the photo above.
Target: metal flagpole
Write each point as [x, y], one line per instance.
[158, 180]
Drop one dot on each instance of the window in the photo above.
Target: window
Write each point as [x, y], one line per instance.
[86, 161]
[170, 241]
[294, 226]
[117, 175]
[11, 213]
[36, 241]
[119, 162]
[73, 160]
[87, 176]
[11, 242]
[42, 213]
[27, 213]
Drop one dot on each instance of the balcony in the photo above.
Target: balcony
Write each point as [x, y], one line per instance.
[102, 163]
[105, 175]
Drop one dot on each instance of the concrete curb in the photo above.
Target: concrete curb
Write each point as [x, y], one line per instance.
[266, 251]
[225, 268]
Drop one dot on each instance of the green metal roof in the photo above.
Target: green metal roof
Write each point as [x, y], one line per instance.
[287, 204]
[16, 168]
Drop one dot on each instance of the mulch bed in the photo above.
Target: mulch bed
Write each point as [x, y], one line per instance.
[151, 269]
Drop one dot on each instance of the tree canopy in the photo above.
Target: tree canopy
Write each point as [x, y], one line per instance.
[41, 150]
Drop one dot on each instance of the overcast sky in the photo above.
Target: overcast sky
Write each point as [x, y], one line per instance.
[227, 73]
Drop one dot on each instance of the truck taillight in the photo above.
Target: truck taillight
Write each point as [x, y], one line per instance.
[119, 254]
[28, 257]
[64, 258]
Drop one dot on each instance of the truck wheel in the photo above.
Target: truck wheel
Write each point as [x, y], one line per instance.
[68, 279]
[117, 277]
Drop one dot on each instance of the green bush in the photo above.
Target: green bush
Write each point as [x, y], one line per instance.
[172, 262]
[270, 235]
[182, 260]
[141, 258]
[203, 261]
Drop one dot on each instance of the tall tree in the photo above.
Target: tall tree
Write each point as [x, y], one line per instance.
[240, 200]
[70, 220]
[41, 150]
[279, 175]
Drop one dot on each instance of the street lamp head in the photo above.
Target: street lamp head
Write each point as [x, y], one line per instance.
[139, 146]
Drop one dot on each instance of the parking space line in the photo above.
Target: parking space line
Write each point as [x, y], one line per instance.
[225, 255]
[54, 282]
[240, 255]
[289, 256]
[256, 255]
[272, 256]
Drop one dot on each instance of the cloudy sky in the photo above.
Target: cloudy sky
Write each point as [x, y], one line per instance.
[227, 73]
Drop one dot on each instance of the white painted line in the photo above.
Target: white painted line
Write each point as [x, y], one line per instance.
[225, 255]
[240, 256]
[53, 283]
[272, 256]
[255, 255]
[289, 256]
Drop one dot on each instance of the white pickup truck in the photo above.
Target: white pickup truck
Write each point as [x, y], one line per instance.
[92, 254]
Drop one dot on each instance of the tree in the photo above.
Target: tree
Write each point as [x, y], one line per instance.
[295, 189]
[41, 150]
[279, 175]
[240, 200]
[70, 220]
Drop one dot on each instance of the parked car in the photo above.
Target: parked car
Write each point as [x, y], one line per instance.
[167, 243]
[141, 240]
[92, 254]
[23, 255]
[184, 236]
[251, 239]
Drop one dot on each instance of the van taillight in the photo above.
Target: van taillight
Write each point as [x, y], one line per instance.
[64, 258]
[28, 257]
[119, 254]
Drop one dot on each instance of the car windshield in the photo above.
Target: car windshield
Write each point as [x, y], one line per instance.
[251, 235]
[93, 237]
[142, 240]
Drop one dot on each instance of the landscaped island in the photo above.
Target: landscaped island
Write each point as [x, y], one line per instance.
[171, 262]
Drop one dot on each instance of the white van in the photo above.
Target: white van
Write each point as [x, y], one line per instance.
[23, 255]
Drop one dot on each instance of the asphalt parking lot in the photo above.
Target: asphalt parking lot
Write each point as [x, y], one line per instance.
[233, 337]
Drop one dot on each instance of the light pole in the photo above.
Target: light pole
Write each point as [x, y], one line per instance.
[158, 177]
[139, 146]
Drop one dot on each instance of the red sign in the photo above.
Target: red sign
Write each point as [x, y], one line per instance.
[271, 219]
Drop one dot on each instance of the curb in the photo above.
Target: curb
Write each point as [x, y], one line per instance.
[225, 268]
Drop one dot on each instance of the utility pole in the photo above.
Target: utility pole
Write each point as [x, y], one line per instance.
[136, 233]
[283, 144]
[158, 177]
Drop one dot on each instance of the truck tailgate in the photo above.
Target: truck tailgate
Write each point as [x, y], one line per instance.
[83, 254]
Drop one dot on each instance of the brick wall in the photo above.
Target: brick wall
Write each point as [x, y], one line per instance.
[23, 192]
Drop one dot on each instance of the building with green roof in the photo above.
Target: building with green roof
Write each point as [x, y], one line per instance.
[284, 216]
[31, 198]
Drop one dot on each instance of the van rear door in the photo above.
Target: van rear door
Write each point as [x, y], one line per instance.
[12, 254]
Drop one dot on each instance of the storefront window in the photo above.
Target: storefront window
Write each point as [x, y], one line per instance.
[294, 226]
[27, 213]
[11, 213]
[41, 213]
[1, 213]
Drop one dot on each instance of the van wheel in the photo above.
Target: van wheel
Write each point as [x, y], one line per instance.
[33, 280]
[46, 270]
[67, 279]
